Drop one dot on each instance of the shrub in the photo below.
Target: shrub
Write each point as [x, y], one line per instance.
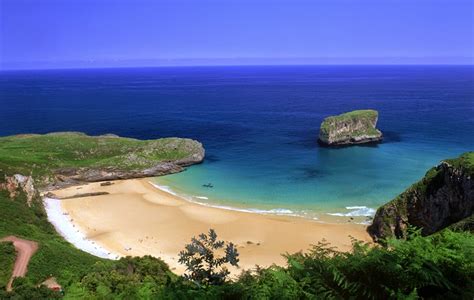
[202, 263]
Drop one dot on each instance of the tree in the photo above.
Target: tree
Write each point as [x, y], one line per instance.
[203, 265]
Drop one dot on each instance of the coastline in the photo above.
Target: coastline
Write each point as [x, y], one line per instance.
[137, 218]
[355, 213]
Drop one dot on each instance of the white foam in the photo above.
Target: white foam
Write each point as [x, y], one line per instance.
[164, 188]
[356, 211]
[63, 224]
[192, 199]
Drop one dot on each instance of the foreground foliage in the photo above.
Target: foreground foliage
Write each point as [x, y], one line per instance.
[434, 267]
[7, 258]
[203, 266]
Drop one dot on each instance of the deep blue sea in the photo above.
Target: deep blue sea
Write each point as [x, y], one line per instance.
[259, 126]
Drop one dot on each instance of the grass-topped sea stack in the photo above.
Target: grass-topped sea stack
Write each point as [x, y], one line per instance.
[355, 127]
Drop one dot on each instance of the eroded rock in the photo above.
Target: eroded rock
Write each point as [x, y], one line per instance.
[355, 127]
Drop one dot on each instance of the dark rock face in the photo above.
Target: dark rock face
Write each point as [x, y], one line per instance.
[443, 197]
[355, 127]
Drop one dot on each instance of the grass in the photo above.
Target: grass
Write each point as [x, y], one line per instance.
[40, 155]
[55, 256]
[7, 259]
[465, 161]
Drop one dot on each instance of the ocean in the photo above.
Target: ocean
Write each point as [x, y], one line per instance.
[259, 125]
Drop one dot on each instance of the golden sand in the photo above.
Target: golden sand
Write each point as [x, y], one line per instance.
[138, 219]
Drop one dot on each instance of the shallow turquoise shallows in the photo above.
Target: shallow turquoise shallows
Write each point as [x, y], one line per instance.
[259, 126]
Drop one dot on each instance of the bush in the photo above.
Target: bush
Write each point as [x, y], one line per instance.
[7, 259]
[202, 263]
[438, 266]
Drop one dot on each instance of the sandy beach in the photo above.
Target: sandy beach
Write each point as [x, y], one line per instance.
[137, 219]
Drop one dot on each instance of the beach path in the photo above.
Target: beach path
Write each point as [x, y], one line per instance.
[25, 250]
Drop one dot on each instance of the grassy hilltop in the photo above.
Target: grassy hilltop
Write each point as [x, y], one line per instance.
[362, 114]
[44, 155]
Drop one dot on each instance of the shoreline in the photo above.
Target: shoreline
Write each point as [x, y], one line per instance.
[138, 218]
[357, 214]
[65, 226]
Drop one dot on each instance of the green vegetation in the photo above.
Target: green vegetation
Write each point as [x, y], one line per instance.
[41, 155]
[465, 162]
[23, 289]
[128, 278]
[202, 263]
[329, 123]
[55, 256]
[436, 267]
[7, 259]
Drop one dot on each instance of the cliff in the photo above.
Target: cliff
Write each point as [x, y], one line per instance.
[355, 127]
[67, 158]
[444, 197]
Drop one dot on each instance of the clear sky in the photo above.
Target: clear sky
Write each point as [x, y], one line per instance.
[85, 33]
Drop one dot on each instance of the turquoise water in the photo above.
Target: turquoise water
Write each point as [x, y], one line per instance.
[361, 178]
[259, 126]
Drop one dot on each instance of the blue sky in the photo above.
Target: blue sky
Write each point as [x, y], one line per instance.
[85, 33]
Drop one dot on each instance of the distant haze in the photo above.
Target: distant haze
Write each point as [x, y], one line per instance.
[124, 33]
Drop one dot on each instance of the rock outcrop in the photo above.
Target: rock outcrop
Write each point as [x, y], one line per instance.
[355, 127]
[444, 197]
[18, 183]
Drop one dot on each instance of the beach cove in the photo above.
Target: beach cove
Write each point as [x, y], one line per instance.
[135, 218]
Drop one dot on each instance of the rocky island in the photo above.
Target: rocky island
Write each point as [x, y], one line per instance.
[443, 198]
[355, 127]
[66, 158]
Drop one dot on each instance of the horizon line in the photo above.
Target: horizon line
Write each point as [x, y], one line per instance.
[230, 65]
[232, 61]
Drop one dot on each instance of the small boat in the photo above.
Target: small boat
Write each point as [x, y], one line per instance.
[209, 185]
